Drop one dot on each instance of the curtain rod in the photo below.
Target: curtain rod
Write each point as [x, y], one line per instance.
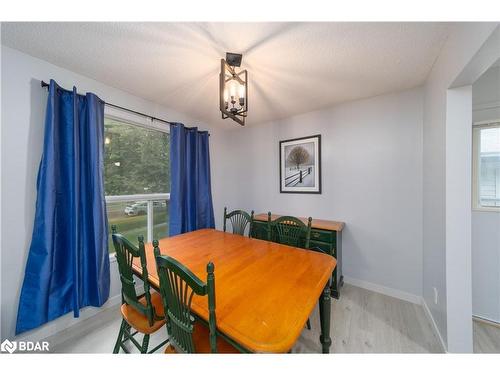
[45, 84]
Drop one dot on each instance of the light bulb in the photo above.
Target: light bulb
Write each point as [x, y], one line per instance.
[226, 95]
[242, 92]
[232, 89]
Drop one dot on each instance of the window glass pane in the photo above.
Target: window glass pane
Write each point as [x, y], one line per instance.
[130, 219]
[489, 167]
[136, 160]
[160, 219]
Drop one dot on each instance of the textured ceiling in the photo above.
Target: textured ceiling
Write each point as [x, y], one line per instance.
[293, 67]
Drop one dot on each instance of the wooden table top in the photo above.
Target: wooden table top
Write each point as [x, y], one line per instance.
[264, 291]
[316, 223]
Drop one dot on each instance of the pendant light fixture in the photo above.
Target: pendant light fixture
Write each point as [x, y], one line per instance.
[233, 89]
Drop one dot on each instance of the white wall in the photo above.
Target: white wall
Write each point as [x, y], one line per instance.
[371, 179]
[458, 219]
[486, 225]
[464, 41]
[486, 96]
[486, 265]
[23, 109]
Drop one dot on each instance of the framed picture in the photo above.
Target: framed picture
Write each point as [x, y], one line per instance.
[300, 165]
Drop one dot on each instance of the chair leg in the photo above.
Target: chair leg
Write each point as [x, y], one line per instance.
[123, 327]
[145, 343]
[309, 324]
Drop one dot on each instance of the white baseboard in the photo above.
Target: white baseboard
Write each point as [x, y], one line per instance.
[433, 323]
[66, 321]
[482, 319]
[396, 293]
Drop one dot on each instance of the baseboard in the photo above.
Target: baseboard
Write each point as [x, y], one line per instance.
[396, 293]
[66, 321]
[433, 323]
[481, 319]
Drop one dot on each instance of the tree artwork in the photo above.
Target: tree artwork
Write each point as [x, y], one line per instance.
[298, 156]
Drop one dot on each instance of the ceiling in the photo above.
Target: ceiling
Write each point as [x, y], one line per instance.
[293, 67]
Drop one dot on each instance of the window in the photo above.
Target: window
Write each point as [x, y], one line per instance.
[486, 166]
[136, 180]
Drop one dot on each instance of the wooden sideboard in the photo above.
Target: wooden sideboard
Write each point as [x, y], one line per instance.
[325, 235]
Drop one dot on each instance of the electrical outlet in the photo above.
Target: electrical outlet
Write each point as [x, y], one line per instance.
[436, 295]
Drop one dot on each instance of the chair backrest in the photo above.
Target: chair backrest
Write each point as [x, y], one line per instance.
[289, 230]
[125, 254]
[239, 221]
[177, 287]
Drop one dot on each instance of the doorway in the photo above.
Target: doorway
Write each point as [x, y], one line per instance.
[459, 201]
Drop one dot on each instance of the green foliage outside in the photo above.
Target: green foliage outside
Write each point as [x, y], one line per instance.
[136, 161]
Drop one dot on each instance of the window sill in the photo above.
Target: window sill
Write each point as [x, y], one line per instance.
[486, 209]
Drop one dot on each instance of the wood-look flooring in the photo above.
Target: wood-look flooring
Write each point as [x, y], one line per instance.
[362, 322]
[486, 338]
[369, 322]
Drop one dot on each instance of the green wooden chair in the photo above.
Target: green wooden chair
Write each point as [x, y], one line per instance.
[289, 230]
[143, 312]
[177, 287]
[239, 221]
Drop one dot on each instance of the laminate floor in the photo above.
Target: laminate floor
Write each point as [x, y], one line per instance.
[486, 338]
[362, 322]
[369, 322]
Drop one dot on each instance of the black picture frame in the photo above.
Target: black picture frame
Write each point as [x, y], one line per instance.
[316, 188]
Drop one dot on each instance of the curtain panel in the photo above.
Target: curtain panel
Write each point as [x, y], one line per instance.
[68, 260]
[190, 194]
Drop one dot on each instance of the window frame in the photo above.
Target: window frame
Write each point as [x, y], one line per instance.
[476, 148]
[133, 119]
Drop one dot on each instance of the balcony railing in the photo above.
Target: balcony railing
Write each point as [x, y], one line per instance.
[138, 214]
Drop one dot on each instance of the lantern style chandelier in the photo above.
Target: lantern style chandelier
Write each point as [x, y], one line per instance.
[233, 89]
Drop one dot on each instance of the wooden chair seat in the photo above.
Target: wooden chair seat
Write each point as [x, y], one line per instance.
[140, 321]
[139, 311]
[202, 342]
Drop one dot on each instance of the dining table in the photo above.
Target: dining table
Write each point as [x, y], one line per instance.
[264, 291]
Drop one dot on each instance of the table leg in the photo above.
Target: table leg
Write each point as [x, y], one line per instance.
[324, 317]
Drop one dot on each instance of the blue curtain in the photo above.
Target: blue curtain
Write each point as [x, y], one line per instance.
[68, 261]
[190, 193]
